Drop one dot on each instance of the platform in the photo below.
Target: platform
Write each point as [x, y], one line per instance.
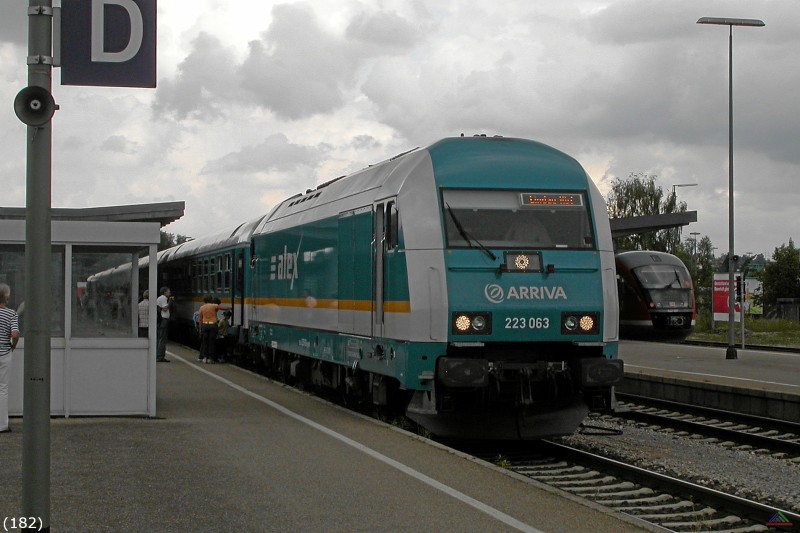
[233, 451]
[758, 382]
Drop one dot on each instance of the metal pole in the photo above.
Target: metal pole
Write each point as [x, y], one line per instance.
[36, 396]
[743, 288]
[731, 351]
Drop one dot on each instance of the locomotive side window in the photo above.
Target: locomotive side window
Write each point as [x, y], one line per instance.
[392, 223]
[516, 220]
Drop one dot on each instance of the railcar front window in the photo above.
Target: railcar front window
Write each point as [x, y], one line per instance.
[663, 277]
[516, 220]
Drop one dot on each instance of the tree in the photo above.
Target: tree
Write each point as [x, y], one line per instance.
[638, 196]
[168, 240]
[781, 277]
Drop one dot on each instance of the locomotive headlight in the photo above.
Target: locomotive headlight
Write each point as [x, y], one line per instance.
[579, 323]
[472, 323]
[522, 262]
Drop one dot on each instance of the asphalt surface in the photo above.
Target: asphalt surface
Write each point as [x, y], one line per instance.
[232, 451]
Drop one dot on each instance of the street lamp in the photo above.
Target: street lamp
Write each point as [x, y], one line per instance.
[694, 235]
[730, 22]
[682, 185]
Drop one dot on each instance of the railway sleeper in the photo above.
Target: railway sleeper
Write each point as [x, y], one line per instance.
[693, 514]
[655, 501]
[729, 520]
[626, 495]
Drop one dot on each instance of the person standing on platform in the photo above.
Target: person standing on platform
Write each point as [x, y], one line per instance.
[164, 304]
[9, 336]
[208, 329]
[222, 336]
[144, 314]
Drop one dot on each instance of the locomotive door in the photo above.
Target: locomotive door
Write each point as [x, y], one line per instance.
[384, 240]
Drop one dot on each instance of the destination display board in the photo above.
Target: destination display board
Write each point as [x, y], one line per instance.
[551, 199]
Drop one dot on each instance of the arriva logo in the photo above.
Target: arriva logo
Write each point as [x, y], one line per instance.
[496, 294]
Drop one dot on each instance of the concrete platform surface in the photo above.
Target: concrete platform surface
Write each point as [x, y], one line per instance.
[233, 451]
[756, 369]
[758, 382]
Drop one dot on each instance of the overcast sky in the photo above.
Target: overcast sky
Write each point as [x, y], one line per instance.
[259, 100]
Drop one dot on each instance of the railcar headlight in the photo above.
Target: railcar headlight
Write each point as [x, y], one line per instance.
[579, 323]
[472, 323]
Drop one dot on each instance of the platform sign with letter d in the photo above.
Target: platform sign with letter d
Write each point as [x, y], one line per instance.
[109, 43]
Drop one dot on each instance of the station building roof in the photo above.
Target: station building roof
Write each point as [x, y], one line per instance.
[164, 213]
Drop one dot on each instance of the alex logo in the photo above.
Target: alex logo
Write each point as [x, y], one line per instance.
[497, 294]
[283, 266]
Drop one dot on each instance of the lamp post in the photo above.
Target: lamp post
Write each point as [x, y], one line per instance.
[694, 235]
[677, 236]
[730, 22]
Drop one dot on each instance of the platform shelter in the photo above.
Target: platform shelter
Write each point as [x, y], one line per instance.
[99, 364]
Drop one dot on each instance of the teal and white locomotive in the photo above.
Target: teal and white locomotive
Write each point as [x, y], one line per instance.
[470, 284]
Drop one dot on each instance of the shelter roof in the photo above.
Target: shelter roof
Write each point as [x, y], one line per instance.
[164, 213]
[622, 227]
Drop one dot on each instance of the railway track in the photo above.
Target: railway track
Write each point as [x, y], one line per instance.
[766, 435]
[667, 502]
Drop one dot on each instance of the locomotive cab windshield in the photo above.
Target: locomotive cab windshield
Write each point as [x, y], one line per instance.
[516, 219]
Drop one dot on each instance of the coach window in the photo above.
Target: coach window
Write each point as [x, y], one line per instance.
[12, 273]
[227, 273]
[218, 287]
[102, 280]
[198, 276]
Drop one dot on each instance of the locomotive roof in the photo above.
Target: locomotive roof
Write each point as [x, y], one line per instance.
[454, 160]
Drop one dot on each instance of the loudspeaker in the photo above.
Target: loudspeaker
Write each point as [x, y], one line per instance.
[34, 106]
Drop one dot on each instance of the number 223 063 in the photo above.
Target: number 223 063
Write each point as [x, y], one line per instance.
[521, 322]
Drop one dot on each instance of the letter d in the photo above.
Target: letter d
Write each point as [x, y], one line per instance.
[99, 55]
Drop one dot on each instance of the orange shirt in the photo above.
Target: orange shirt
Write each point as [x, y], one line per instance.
[208, 313]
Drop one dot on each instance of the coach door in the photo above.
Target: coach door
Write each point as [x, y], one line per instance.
[355, 271]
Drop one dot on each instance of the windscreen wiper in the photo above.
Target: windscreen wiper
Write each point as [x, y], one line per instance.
[677, 278]
[463, 232]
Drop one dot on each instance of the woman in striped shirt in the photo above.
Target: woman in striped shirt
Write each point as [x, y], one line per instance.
[9, 335]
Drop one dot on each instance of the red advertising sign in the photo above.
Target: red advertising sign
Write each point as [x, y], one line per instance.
[721, 286]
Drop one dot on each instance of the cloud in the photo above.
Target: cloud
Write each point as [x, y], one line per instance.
[384, 30]
[14, 22]
[297, 69]
[274, 153]
[119, 144]
[204, 85]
